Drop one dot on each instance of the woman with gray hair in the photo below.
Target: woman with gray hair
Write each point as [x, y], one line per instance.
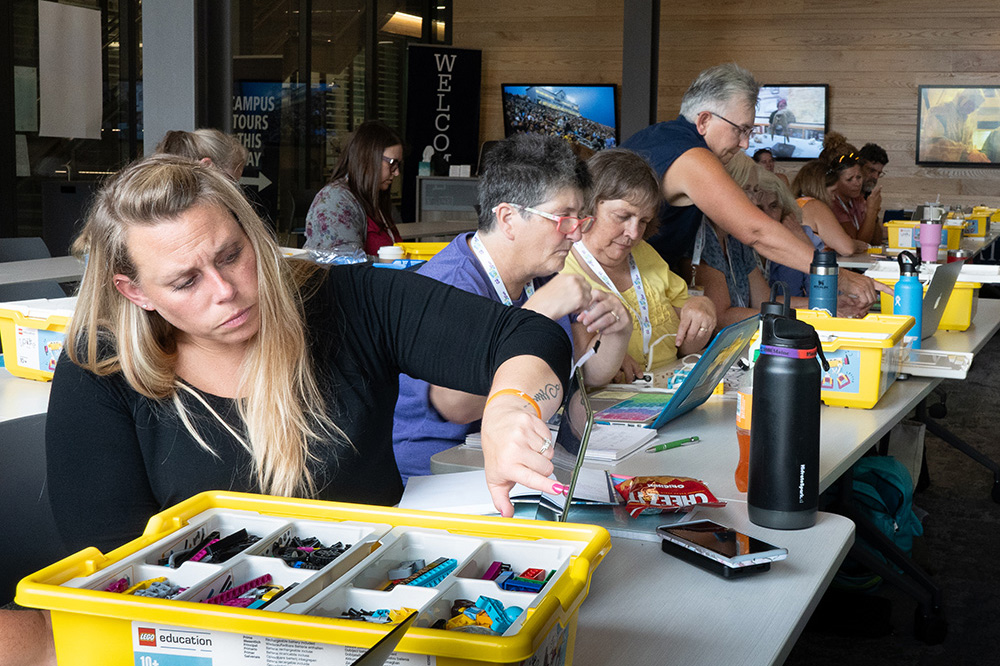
[690, 154]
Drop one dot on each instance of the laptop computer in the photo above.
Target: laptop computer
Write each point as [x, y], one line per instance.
[570, 449]
[653, 409]
[937, 295]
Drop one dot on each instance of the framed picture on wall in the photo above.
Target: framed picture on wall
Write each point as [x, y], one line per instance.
[790, 120]
[958, 125]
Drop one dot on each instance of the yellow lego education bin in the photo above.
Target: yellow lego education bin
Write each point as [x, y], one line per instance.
[864, 355]
[33, 335]
[203, 618]
[420, 251]
[977, 223]
[959, 311]
[905, 234]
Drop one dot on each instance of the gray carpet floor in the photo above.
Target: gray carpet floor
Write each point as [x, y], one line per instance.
[960, 549]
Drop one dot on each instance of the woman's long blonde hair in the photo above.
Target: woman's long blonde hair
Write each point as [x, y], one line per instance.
[756, 180]
[225, 151]
[281, 407]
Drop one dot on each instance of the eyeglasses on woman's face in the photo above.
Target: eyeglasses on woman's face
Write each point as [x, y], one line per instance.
[565, 224]
[394, 164]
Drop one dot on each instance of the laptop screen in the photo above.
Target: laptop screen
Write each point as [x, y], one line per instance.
[570, 444]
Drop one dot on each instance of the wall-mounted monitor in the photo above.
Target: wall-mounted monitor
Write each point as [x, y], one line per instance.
[585, 114]
[791, 120]
[958, 125]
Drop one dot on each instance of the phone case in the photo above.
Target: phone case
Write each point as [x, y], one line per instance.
[709, 564]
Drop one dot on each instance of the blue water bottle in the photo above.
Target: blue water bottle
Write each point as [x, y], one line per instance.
[908, 297]
[823, 282]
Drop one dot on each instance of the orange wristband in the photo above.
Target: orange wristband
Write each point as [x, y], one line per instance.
[520, 394]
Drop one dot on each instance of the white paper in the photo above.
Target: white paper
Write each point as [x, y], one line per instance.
[466, 492]
[69, 71]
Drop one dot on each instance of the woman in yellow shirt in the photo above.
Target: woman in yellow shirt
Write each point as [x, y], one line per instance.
[613, 257]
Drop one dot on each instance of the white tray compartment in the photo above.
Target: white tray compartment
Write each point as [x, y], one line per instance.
[415, 544]
[328, 533]
[246, 569]
[225, 522]
[464, 588]
[341, 599]
[521, 555]
[187, 576]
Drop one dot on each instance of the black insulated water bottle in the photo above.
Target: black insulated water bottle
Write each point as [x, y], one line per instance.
[783, 488]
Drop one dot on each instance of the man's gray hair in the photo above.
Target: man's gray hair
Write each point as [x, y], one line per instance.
[716, 88]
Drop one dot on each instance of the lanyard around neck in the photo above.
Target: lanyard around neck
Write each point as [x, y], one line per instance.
[640, 293]
[493, 274]
[849, 209]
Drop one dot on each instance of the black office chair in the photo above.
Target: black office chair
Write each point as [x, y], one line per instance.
[20, 249]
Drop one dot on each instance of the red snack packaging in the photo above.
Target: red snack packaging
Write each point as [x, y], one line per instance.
[662, 494]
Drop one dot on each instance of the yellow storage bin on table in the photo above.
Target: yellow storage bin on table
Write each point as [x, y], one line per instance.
[959, 311]
[95, 627]
[864, 355]
[33, 334]
[420, 251]
[977, 223]
[905, 234]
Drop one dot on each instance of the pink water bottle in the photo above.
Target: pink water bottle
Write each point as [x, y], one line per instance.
[930, 240]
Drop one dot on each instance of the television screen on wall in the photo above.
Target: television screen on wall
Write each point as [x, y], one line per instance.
[958, 125]
[587, 114]
[791, 121]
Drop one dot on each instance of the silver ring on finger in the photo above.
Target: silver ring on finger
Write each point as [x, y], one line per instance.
[546, 444]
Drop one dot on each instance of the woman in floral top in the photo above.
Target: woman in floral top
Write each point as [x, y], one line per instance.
[353, 211]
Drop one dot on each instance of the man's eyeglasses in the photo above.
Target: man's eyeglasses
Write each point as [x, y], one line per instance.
[743, 130]
[394, 164]
[564, 224]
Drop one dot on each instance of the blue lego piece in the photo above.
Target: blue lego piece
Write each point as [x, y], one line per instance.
[495, 610]
[435, 575]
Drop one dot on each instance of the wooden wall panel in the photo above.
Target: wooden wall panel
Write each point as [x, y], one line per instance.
[529, 41]
[872, 53]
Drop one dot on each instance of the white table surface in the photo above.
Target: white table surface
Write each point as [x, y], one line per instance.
[60, 269]
[647, 607]
[22, 397]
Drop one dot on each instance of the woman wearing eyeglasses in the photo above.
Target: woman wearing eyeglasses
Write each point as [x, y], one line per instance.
[844, 182]
[353, 211]
[531, 211]
[614, 257]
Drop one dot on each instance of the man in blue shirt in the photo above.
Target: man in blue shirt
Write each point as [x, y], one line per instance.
[690, 154]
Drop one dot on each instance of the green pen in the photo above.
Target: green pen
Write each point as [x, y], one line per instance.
[672, 445]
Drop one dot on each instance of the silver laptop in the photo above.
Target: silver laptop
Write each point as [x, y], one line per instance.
[570, 445]
[937, 295]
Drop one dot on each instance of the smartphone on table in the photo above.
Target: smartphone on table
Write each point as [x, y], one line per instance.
[719, 549]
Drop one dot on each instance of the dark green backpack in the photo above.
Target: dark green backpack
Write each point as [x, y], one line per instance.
[883, 491]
